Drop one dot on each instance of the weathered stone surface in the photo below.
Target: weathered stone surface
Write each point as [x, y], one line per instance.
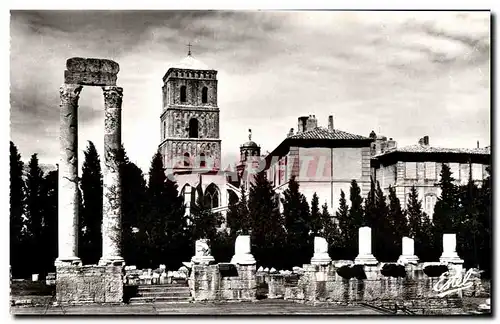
[79, 64]
[111, 224]
[90, 78]
[68, 175]
[320, 251]
[89, 284]
[450, 250]
[202, 252]
[242, 253]
[365, 255]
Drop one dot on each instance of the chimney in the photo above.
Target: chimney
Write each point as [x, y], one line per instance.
[477, 144]
[311, 122]
[290, 133]
[426, 140]
[330, 123]
[302, 124]
[391, 144]
[421, 141]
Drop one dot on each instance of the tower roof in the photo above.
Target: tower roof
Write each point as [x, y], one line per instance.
[190, 63]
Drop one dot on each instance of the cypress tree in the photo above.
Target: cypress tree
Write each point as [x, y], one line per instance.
[370, 210]
[91, 216]
[268, 234]
[414, 212]
[345, 231]
[331, 233]
[133, 206]
[297, 221]
[447, 205]
[49, 231]
[356, 220]
[316, 221]
[243, 213]
[383, 236]
[16, 211]
[34, 213]
[397, 222]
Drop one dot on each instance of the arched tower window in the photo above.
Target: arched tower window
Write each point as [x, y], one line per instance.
[186, 159]
[204, 95]
[183, 93]
[211, 198]
[202, 160]
[193, 128]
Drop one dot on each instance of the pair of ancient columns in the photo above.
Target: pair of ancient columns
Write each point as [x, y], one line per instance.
[68, 177]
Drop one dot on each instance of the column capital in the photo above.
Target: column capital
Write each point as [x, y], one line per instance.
[112, 96]
[70, 93]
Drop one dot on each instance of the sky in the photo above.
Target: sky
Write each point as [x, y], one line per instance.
[402, 74]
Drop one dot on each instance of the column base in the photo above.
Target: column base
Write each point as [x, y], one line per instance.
[321, 259]
[367, 259]
[68, 261]
[112, 261]
[451, 258]
[206, 259]
[405, 259]
[243, 259]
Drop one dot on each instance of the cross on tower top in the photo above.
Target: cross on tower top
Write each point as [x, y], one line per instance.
[189, 48]
[249, 134]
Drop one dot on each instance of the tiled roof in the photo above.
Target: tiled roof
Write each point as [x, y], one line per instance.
[325, 134]
[430, 149]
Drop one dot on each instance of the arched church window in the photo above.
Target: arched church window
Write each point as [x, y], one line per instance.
[202, 160]
[186, 159]
[204, 95]
[183, 93]
[211, 198]
[193, 128]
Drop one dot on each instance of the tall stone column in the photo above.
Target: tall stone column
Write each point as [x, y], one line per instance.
[68, 176]
[112, 196]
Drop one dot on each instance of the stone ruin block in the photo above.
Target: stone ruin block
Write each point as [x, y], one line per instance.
[90, 78]
[89, 284]
[79, 64]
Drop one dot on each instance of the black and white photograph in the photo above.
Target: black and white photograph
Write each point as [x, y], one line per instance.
[250, 162]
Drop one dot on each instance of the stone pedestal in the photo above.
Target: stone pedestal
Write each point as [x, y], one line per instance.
[68, 176]
[242, 254]
[449, 254]
[365, 255]
[89, 284]
[202, 253]
[408, 254]
[112, 213]
[320, 256]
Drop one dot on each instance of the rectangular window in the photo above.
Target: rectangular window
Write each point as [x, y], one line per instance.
[430, 170]
[455, 170]
[411, 170]
[164, 129]
[477, 171]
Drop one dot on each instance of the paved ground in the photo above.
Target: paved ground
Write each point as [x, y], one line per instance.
[266, 307]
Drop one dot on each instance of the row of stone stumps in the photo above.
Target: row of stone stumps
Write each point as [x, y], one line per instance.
[102, 283]
[321, 280]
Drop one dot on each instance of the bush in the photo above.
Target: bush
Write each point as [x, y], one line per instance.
[435, 270]
[393, 270]
[356, 271]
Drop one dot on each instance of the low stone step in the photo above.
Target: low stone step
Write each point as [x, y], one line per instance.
[162, 289]
[167, 293]
[146, 300]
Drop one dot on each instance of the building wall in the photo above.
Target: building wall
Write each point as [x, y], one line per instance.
[324, 171]
[425, 176]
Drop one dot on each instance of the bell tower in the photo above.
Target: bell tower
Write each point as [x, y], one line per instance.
[189, 120]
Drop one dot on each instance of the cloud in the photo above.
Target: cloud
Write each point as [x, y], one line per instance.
[408, 74]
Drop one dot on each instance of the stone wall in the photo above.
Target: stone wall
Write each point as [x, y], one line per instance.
[89, 284]
[209, 283]
[415, 291]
